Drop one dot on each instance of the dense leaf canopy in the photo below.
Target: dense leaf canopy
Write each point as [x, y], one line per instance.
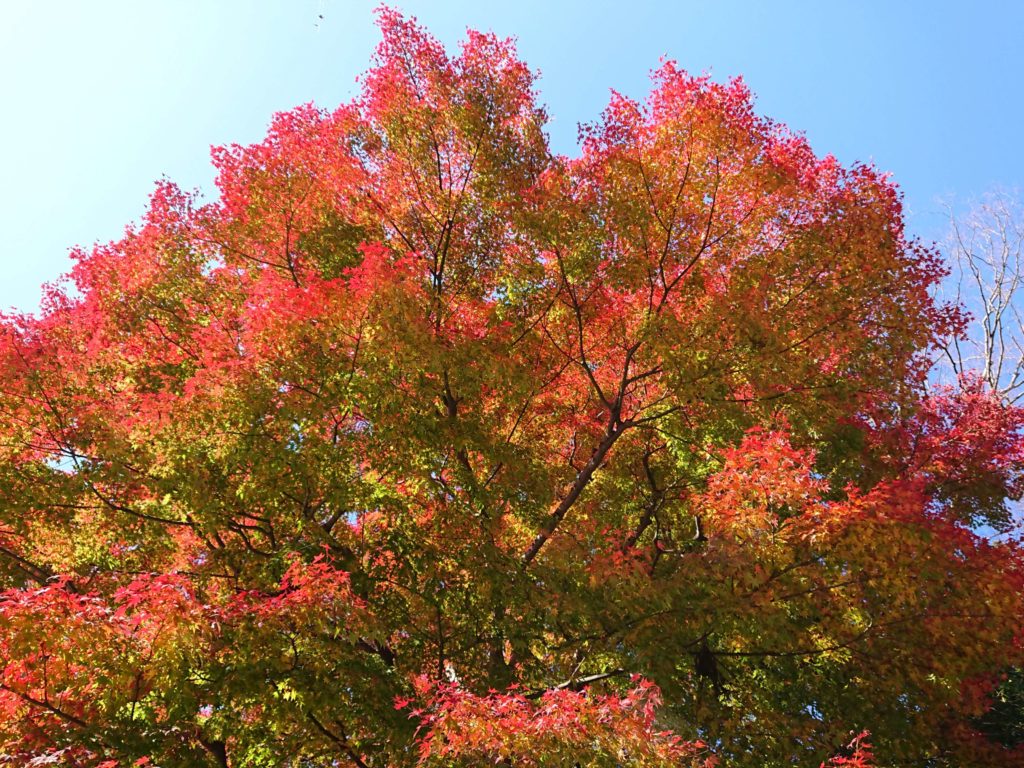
[422, 444]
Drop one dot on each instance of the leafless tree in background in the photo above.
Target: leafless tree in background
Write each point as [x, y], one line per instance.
[986, 251]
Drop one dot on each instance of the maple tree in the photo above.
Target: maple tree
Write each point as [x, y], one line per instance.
[424, 445]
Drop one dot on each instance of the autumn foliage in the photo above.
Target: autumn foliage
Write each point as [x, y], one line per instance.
[423, 445]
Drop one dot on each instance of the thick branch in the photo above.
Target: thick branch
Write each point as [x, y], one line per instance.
[615, 430]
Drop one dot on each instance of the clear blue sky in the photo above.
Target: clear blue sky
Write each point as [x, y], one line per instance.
[102, 98]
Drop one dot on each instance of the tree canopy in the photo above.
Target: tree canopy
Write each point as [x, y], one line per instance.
[423, 445]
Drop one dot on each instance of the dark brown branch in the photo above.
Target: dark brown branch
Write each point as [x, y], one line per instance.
[614, 431]
[577, 684]
[217, 749]
[46, 705]
[341, 741]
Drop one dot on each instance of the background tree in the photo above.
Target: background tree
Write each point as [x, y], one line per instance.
[423, 445]
[986, 248]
